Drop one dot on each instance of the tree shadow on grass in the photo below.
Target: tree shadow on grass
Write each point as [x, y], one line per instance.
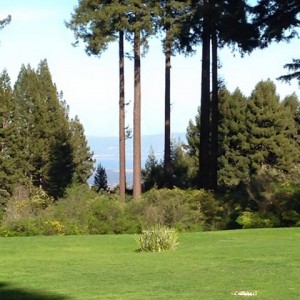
[10, 292]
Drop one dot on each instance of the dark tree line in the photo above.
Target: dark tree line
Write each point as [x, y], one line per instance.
[39, 144]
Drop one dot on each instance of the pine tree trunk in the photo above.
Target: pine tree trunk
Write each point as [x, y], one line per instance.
[137, 189]
[122, 162]
[204, 153]
[214, 114]
[167, 154]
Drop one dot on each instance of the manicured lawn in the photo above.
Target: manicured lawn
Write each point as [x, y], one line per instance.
[209, 265]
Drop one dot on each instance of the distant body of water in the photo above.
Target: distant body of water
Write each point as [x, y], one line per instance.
[106, 152]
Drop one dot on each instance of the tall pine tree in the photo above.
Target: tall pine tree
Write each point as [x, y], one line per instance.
[233, 146]
[99, 23]
[10, 174]
[83, 162]
[270, 128]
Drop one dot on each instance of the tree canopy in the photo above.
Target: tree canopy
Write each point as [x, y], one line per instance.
[40, 145]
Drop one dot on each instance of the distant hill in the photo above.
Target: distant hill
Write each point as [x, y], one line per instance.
[106, 152]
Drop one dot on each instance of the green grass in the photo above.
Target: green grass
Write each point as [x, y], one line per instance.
[209, 265]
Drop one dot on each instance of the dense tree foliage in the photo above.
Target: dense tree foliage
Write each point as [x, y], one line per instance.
[270, 130]
[253, 132]
[215, 24]
[233, 146]
[40, 146]
[278, 21]
[9, 169]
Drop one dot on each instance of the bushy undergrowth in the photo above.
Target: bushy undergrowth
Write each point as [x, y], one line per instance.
[257, 220]
[158, 239]
[271, 199]
[83, 211]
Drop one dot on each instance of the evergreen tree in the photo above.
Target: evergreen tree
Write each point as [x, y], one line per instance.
[99, 23]
[193, 137]
[232, 143]
[169, 15]
[232, 157]
[59, 168]
[152, 174]
[139, 27]
[30, 117]
[215, 23]
[81, 153]
[52, 151]
[9, 169]
[5, 22]
[294, 71]
[293, 105]
[100, 179]
[183, 166]
[278, 21]
[270, 130]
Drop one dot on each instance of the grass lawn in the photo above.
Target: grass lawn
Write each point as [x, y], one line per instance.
[208, 265]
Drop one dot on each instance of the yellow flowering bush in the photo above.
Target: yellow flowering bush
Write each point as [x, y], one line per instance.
[53, 228]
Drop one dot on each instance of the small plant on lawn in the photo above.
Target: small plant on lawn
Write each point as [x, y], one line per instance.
[158, 239]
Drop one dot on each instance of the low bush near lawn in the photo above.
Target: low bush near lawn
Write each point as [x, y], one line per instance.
[83, 211]
[158, 239]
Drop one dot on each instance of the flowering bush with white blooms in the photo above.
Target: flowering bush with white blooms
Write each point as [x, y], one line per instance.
[244, 293]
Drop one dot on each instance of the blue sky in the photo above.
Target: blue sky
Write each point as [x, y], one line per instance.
[90, 84]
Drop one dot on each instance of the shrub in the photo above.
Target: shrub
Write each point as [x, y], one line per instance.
[257, 220]
[5, 232]
[53, 228]
[158, 239]
[291, 218]
[108, 215]
[182, 209]
[23, 210]
[21, 227]
[75, 210]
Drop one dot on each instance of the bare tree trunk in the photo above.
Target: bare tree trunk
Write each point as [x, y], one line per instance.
[122, 151]
[167, 154]
[214, 113]
[204, 153]
[137, 187]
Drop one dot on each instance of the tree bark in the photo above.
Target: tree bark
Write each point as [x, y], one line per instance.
[122, 141]
[137, 187]
[214, 113]
[204, 153]
[167, 153]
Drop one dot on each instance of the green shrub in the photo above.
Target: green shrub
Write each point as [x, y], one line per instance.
[191, 210]
[291, 218]
[108, 215]
[158, 239]
[5, 232]
[22, 227]
[257, 220]
[23, 211]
